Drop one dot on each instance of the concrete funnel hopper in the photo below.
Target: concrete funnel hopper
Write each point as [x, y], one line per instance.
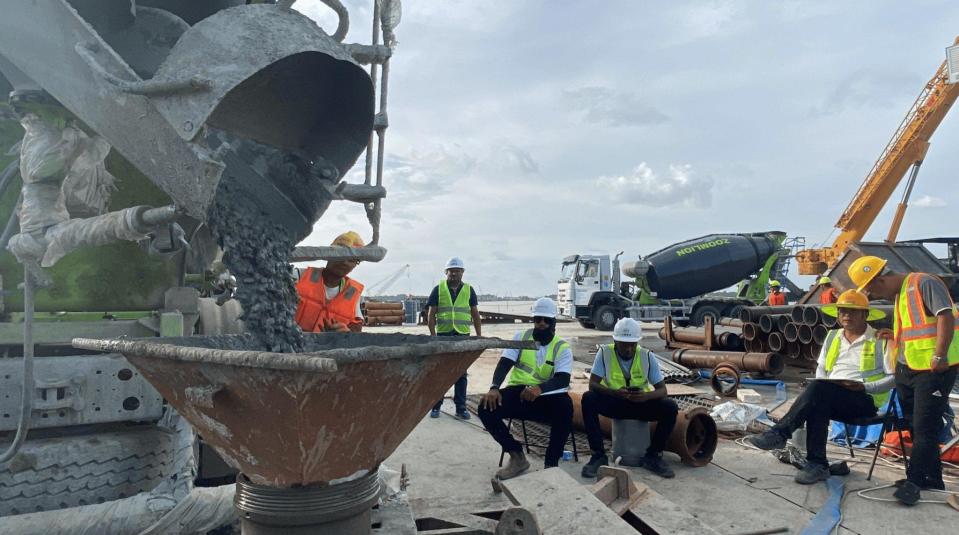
[322, 420]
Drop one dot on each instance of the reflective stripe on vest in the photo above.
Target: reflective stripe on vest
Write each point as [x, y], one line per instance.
[871, 368]
[452, 316]
[526, 372]
[615, 378]
[915, 332]
[313, 307]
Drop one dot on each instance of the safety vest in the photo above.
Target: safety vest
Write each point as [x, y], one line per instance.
[871, 368]
[615, 378]
[827, 297]
[915, 332]
[452, 316]
[776, 299]
[313, 307]
[526, 372]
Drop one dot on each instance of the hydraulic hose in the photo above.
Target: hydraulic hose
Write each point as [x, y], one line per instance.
[26, 399]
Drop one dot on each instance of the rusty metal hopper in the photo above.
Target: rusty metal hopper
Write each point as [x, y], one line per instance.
[324, 416]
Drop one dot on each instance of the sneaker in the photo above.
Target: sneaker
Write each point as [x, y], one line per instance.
[770, 440]
[656, 465]
[516, 465]
[591, 468]
[434, 413]
[907, 494]
[463, 414]
[812, 473]
[839, 468]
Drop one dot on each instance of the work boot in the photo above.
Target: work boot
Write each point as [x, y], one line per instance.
[839, 468]
[655, 464]
[516, 465]
[907, 494]
[434, 413]
[591, 468]
[463, 414]
[812, 473]
[770, 440]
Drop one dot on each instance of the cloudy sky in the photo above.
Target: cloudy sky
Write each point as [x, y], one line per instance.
[522, 131]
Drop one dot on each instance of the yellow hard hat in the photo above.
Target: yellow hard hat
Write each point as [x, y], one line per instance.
[856, 300]
[774, 283]
[864, 269]
[348, 239]
[824, 280]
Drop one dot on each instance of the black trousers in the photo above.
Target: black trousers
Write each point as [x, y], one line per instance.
[820, 402]
[459, 388]
[662, 411]
[554, 409]
[924, 396]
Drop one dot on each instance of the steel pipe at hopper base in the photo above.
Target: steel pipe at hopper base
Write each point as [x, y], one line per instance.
[748, 362]
[694, 437]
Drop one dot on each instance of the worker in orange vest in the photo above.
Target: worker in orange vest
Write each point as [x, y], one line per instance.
[828, 295]
[329, 300]
[776, 297]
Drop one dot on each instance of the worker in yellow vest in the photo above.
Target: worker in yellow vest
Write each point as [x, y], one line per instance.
[627, 383]
[853, 380]
[538, 386]
[452, 305]
[926, 352]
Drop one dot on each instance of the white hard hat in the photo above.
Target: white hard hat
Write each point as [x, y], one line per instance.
[544, 307]
[627, 330]
[455, 262]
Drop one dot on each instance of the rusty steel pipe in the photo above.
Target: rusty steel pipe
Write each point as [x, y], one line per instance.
[730, 322]
[810, 316]
[748, 362]
[750, 331]
[805, 334]
[754, 313]
[729, 341]
[766, 324]
[716, 382]
[782, 320]
[694, 438]
[753, 346]
[792, 349]
[776, 342]
[819, 334]
[725, 340]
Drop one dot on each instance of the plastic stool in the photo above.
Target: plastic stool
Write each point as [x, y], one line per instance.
[630, 441]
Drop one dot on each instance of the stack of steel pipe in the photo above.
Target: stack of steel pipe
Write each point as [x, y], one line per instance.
[726, 341]
[797, 332]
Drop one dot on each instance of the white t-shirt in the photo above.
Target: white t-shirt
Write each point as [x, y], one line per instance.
[335, 291]
[850, 354]
[562, 364]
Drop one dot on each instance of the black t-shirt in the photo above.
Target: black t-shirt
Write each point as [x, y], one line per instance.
[434, 299]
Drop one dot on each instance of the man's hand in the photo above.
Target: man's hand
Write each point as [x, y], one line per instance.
[855, 386]
[940, 364]
[491, 400]
[622, 393]
[637, 396]
[334, 326]
[884, 334]
[530, 393]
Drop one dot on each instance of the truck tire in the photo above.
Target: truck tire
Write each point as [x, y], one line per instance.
[605, 317]
[586, 324]
[699, 316]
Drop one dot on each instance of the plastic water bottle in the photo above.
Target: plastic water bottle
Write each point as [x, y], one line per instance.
[567, 455]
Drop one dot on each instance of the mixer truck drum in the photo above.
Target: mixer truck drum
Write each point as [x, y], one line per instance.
[724, 380]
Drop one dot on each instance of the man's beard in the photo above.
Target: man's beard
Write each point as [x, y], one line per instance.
[544, 336]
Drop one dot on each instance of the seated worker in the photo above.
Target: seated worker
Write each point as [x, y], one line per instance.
[329, 300]
[627, 384]
[853, 379]
[776, 296]
[829, 294]
[538, 386]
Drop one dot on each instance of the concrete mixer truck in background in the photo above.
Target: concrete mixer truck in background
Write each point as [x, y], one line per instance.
[674, 281]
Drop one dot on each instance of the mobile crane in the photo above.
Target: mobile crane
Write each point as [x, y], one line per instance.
[904, 152]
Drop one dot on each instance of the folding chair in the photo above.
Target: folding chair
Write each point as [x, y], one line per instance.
[509, 427]
[889, 419]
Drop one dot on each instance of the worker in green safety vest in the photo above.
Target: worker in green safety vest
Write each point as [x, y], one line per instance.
[925, 348]
[853, 380]
[538, 390]
[626, 383]
[452, 309]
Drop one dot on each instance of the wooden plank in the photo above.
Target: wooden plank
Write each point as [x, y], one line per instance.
[562, 505]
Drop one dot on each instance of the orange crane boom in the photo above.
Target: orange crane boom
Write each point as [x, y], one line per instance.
[905, 150]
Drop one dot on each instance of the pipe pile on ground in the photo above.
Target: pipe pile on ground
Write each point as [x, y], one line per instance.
[796, 331]
[383, 313]
[727, 341]
[745, 362]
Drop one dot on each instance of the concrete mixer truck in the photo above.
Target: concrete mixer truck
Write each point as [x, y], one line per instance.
[674, 281]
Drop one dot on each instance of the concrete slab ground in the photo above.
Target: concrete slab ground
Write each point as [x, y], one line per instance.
[450, 463]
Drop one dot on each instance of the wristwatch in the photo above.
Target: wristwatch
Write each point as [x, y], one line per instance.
[935, 360]
[494, 387]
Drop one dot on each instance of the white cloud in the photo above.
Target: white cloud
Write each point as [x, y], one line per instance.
[681, 187]
[602, 105]
[928, 201]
